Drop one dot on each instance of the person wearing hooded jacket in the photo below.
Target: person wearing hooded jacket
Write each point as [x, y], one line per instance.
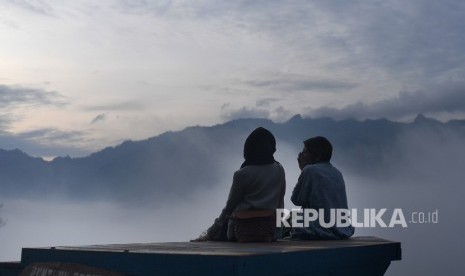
[258, 186]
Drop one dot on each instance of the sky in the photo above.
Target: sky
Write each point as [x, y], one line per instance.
[77, 76]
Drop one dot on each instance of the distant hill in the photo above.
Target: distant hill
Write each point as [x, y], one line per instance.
[177, 163]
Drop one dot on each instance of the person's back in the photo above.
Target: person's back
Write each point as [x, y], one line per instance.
[256, 192]
[320, 187]
[259, 187]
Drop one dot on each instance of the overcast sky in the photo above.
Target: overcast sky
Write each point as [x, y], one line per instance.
[76, 76]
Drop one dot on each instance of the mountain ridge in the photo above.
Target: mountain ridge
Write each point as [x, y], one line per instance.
[173, 163]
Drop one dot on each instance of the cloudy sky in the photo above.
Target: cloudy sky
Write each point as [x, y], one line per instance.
[76, 76]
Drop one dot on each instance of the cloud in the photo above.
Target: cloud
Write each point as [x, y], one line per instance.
[157, 7]
[122, 106]
[50, 135]
[266, 102]
[448, 98]
[262, 110]
[5, 122]
[302, 83]
[37, 142]
[419, 38]
[17, 95]
[345, 50]
[47, 142]
[281, 114]
[416, 42]
[246, 112]
[98, 118]
[38, 7]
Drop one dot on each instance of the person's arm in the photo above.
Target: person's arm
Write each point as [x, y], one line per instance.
[283, 187]
[303, 159]
[235, 196]
[301, 191]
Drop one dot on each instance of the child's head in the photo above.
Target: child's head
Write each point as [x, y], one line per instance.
[319, 149]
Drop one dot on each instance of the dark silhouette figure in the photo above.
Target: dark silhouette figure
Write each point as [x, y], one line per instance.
[257, 190]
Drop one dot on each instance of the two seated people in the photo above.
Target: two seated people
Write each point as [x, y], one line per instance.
[258, 190]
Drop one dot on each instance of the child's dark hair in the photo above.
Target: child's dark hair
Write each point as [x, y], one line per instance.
[320, 146]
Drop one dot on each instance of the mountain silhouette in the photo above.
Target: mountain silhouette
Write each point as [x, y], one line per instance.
[174, 164]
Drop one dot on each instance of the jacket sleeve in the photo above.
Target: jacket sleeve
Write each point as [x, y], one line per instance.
[283, 187]
[234, 198]
[218, 230]
[301, 193]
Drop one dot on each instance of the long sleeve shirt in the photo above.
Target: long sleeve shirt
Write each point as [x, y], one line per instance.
[321, 186]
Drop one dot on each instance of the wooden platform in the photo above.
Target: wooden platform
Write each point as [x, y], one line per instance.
[355, 256]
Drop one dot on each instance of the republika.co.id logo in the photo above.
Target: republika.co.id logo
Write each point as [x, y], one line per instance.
[365, 218]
